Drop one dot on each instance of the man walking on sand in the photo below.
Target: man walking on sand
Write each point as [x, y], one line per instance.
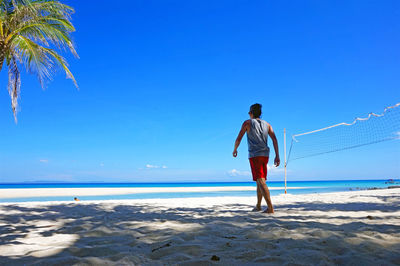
[257, 139]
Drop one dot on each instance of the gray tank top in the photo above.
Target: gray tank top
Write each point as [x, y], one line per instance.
[257, 138]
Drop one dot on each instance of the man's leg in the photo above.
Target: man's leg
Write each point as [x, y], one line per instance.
[265, 192]
[259, 197]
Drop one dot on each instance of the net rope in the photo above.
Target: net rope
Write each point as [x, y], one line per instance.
[362, 131]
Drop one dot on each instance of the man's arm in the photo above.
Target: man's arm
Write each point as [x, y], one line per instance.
[271, 134]
[243, 130]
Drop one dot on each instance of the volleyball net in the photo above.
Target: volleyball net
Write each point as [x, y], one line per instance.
[371, 129]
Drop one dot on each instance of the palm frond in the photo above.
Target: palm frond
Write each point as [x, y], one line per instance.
[43, 21]
[63, 63]
[34, 59]
[14, 85]
[31, 10]
[44, 32]
[41, 60]
[29, 29]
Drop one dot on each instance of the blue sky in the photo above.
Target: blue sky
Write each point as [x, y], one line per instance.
[166, 85]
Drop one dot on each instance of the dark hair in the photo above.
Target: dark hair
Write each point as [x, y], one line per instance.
[255, 109]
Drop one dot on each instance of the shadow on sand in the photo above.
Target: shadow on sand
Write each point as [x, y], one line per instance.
[303, 233]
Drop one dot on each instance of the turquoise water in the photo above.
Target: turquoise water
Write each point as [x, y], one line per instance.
[306, 187]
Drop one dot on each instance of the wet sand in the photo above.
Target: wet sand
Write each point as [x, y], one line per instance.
[77, 192]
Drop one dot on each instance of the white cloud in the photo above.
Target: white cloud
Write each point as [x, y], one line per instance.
[272, 170]
[101, 164]
[151, 166]
[235, 172]
[276, 171]
[43, 160]
[397, 135]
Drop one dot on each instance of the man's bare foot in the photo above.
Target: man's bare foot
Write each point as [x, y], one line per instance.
[267, 210]
[257, 208]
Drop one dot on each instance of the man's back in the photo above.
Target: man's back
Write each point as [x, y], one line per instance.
[257, 138]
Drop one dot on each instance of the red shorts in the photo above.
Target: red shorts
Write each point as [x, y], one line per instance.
[259, 167]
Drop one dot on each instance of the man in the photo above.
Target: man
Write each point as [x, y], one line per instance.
[257, 139]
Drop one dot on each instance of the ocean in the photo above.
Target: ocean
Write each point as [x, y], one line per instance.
[302, 187]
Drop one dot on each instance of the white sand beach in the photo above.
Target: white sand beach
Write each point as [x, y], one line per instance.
[346, 228]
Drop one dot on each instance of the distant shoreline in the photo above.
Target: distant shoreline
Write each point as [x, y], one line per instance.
[121, 191]
[57, 192]
[193, 182]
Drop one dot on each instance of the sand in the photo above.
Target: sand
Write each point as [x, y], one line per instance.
[346, 228]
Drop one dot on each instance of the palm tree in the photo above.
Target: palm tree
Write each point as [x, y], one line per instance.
[29, 29]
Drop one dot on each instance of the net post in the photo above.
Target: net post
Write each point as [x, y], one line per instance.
[284, 148]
